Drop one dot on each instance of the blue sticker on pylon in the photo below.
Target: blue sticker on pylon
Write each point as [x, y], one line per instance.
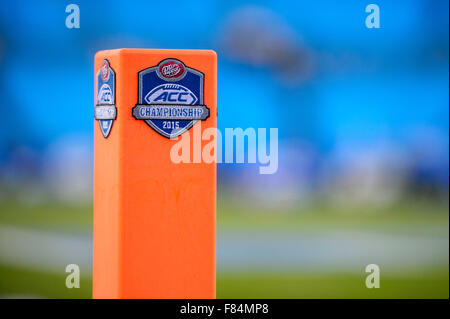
[170, 98]
[105, 109]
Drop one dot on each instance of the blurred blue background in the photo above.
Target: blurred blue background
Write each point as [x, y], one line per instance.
[362, 114]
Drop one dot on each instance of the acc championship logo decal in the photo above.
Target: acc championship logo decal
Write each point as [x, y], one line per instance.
[105, 109]
[170, 98]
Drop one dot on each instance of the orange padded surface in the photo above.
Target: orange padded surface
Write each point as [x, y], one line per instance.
[154, 220]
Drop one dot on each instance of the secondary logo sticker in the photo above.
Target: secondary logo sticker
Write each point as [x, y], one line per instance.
[170, 98]
[105, 109]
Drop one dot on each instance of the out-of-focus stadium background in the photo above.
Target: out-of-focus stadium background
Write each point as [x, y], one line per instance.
[363, 122]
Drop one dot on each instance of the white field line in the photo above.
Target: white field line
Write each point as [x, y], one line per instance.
[347, 251]
[44, 250]
[319, 250]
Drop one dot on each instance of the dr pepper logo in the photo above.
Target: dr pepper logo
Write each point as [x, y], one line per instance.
[104, 70]
[171, 70]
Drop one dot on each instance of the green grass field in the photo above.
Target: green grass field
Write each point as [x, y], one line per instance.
[406, 218]
[16, 282]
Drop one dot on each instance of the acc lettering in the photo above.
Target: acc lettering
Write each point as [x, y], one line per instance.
[172, 97]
